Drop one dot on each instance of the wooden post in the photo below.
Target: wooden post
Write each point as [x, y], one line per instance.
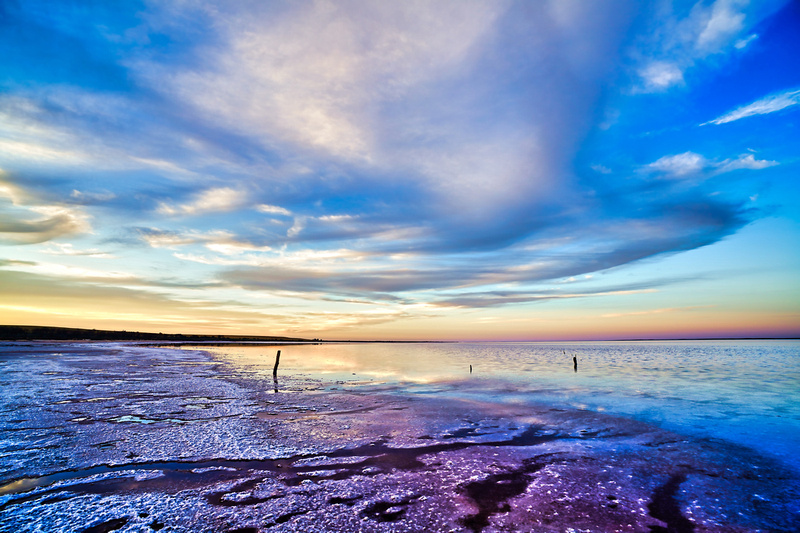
[277, 362]
[470, 369]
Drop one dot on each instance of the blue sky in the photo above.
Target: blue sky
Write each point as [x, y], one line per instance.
[414, 170]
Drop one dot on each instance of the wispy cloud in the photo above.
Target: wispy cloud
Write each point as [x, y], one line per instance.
[746, 162]
[499, 298]
[66, 273]
[768, 104]
[741, 44]
[91, 197]
[273, 210]
[690, 164]
[52, 128]
[220, 241]
[55, 248]
[216, 200]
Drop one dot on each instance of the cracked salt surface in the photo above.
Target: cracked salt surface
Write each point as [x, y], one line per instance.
[109, 437]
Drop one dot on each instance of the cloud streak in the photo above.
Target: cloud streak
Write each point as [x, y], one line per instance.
[690, 164]
[764, 106]
[217, 200]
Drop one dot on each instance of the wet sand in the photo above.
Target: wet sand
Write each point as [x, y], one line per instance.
[111, 437]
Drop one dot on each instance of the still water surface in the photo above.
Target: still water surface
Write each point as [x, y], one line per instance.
[747, 392]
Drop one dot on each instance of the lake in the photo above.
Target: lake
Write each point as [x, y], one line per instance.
[747, 392]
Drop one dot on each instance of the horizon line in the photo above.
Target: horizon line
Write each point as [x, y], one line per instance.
[249, 338]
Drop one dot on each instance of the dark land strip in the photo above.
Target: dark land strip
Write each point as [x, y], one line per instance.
[20, 333]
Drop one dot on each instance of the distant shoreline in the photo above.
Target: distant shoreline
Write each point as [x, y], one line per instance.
[79, 334]
[52, 333]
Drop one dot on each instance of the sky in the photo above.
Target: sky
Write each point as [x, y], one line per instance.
[481, 170]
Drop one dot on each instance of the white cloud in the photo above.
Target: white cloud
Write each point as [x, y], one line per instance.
[764, 106]
[67, 271]
[68, 249]
[336, 218]
[692, 165]
[747, 162]
[661, 75]
[235, 248]
[91, 197]
[680, 165]
[222, 242]
[32, 151]
[678, 42]
[298, 226]
[239, 254]
[405, 90]
[741, 44]
[168, 167]
[313, 75]
[215, 200]
[168, 239]
[724, 22]
[159, 239]
[246, 260]
[273, 210]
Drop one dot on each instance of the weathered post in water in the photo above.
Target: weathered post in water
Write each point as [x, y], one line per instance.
[574, 362]
[277, 362]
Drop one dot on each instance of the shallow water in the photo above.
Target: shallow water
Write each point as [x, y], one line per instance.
[746, 392]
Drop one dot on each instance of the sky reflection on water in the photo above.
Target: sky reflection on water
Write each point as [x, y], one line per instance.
[742, 391]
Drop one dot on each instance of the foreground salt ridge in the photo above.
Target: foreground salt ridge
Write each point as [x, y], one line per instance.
[123, 438]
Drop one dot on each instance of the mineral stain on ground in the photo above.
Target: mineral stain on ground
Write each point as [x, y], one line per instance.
[114, 437]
